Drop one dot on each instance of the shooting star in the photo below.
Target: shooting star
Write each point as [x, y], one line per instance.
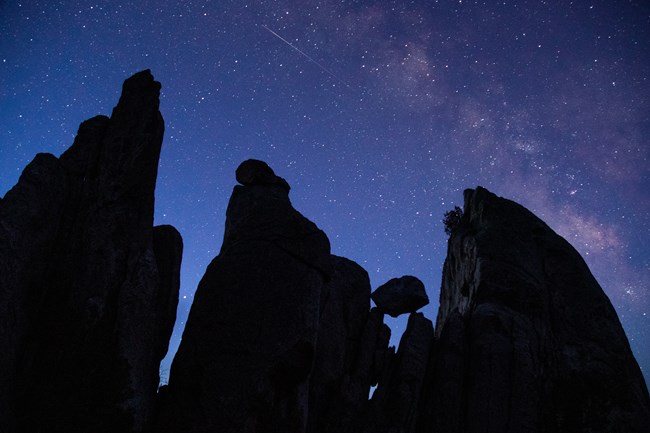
[306, 56]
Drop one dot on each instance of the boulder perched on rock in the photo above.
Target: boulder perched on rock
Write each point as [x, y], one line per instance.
[88, 287]
[248, 347]
[256, 172]
[400, 295]
[528, 341]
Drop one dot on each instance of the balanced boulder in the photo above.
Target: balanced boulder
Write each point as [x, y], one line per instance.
[400, 295]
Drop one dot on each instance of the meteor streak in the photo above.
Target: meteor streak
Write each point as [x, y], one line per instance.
[306, 56]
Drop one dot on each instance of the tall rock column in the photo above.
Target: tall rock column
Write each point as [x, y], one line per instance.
[396, 404]
[528, 341]
[337, 394]
[88, 285]
[248, 346]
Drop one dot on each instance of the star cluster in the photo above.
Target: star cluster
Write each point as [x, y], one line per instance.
[378, 113]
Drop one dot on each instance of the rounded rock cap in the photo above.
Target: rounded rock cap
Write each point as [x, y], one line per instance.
[256, 172]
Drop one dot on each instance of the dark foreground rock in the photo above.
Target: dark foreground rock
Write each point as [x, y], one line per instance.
[248, 347]
[336, 392]
[528, 341]
[88, 287]
[400, 295]
[395, 405]
[280, 337]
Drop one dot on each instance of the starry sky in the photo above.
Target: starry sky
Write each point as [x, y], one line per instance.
[378, 113]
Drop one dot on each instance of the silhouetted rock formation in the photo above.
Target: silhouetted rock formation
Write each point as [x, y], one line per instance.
[248, 347]
[395, 405]
[88, 288]
[336, 392]
[400, 295]
[528, 340]
[281, 337]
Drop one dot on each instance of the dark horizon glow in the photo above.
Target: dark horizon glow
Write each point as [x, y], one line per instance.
[377, 113]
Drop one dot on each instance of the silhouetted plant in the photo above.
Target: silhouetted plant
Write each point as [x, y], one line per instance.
[451, 219]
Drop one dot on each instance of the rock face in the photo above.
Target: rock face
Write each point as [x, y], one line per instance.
[400, 295]
[395, 405]
[336, 391]
[528, 341]
[88, 287]
[248, 347]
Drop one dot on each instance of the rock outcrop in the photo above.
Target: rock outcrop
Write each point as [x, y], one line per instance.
[281, 337]
[248, 347]
[337, 393]
[88, 287]
[401, 295]
[525, 338]
[528, 341]
[395, 405]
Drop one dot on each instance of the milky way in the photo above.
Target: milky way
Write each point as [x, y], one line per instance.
[378, 114]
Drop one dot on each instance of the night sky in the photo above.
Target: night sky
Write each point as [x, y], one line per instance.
[378, 114]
